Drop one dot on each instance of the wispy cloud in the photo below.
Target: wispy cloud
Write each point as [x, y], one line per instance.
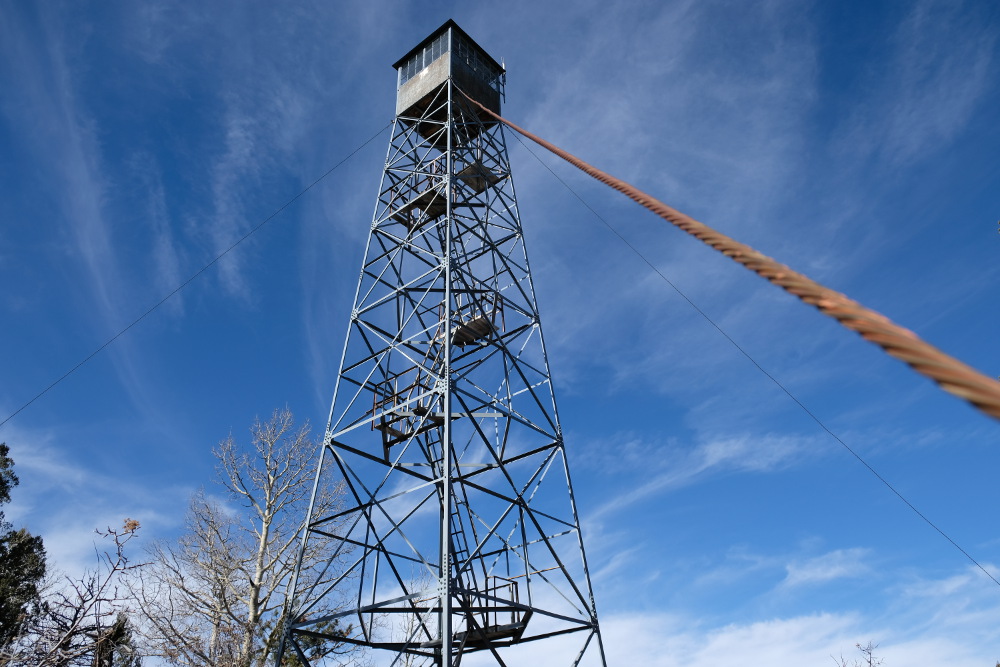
[236, 169]
[662, 640]
[931, 632]
[56, 484]
[53, 126]
[839, 564]
[734, 122]
[938, 71]
[675, 468]
[61, 136]
[963, 599]
[164, 248]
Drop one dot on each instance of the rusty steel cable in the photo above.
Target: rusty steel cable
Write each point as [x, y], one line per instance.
[949, 373]
[812, 415]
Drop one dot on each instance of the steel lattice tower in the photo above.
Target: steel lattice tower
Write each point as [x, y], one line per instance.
[460, 534]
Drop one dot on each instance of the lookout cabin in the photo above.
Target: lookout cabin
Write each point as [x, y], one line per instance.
[448, 52]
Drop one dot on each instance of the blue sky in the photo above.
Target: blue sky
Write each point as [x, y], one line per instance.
[854, 141]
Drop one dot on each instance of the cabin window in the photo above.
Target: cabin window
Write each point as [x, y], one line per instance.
[476, 62]
[424, 57]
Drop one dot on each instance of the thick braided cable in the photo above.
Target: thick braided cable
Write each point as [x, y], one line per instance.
[951, 374]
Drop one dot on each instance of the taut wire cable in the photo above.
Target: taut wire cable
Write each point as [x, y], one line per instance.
[812, 415]
[197, 273]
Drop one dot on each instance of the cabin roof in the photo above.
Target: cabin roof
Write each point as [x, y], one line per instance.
[450, 23]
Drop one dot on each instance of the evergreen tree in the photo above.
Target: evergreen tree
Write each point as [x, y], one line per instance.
[22, 562]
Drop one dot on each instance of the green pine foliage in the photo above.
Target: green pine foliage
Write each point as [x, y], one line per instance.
[22, 562]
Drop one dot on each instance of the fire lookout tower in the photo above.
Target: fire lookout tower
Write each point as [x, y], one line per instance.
[459, 534]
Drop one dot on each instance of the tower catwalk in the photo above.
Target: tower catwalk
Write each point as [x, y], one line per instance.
[459, 533]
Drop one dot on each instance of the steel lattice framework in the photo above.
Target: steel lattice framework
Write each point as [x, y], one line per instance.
[460, 533]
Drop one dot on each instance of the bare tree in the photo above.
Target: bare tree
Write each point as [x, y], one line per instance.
[412, 628]
[868, 658]
[217, 596]
[81, 621]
